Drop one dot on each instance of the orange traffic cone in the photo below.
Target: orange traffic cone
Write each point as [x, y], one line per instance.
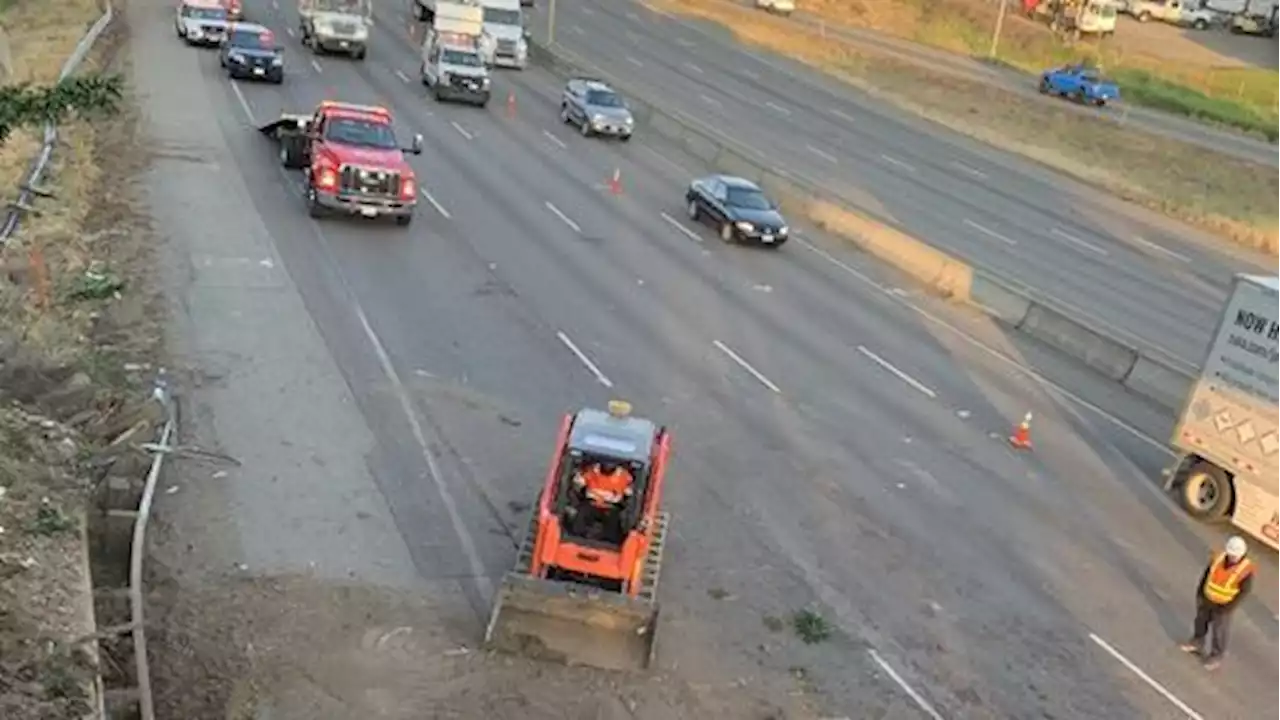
[615, 182]
[1021, 437]
[511, 104]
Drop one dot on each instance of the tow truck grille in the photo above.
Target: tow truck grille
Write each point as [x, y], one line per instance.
[370, 182]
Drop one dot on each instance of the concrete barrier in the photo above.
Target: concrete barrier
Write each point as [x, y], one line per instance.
[1016, 307]
[1157, 381]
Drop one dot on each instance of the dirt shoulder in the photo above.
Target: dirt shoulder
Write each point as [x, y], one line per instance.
[77, 333]
[1232, 198]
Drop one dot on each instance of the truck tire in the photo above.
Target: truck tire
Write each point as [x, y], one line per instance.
[1200, 24]
[404, 220]
[1144, 16]
[291, 151]
[314, 208]
[1206, 493]
[359, 54]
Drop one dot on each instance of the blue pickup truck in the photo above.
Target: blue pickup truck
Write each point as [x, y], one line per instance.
[1080, 83]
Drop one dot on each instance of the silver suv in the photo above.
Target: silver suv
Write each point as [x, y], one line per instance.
[596, 109]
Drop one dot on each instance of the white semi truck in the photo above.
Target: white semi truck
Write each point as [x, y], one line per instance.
[1226, 435]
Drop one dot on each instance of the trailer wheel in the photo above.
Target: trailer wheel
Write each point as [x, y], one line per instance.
[291, 151]
[1206, 493]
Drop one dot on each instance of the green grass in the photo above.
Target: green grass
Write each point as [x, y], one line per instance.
[1143, 88]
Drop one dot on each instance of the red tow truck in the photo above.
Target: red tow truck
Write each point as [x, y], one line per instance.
[351, 160]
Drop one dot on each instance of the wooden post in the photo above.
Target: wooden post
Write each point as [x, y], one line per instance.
[41, 275]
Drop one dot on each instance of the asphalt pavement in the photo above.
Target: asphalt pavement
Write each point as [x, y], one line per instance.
[837, 443]
[1152, 282]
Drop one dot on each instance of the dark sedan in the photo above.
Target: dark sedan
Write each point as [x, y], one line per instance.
[250, 51]
[738, 209]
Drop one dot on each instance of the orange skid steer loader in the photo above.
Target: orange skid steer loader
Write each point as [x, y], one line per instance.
[584, 588]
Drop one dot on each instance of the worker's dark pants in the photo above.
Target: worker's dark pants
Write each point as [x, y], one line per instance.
[1213, 619]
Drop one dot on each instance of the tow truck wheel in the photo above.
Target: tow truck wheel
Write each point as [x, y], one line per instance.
[313, 203]
[1206, 493]
[585, 127]
[726, 232]
[404, 220]
[694, 213]
[564, 113]
[359, 54]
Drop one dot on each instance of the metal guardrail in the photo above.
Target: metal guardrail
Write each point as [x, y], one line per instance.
[138, 545]
[41, 161]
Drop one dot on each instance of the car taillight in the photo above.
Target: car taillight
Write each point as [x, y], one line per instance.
[327, 178]
[408, 188]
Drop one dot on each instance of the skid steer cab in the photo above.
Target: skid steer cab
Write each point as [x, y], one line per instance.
[351, 161]
[584, 588]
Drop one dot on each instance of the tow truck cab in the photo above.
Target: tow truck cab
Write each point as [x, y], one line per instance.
[352, 161]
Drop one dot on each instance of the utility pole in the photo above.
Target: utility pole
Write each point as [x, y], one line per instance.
[995, 36]
[551, 23]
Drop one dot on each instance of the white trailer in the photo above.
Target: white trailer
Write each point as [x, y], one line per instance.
[1226, 435]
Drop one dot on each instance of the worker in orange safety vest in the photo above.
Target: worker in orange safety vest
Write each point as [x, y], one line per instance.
[604, 486]
[1226, 582]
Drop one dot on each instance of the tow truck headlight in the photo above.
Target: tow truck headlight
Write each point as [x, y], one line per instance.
[744, 226]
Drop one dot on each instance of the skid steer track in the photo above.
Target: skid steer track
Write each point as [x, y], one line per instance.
[576, 624]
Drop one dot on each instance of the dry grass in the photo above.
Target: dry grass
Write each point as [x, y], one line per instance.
[62, 389]
[1233, 198]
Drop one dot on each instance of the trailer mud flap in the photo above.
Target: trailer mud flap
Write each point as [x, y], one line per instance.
[572, 624]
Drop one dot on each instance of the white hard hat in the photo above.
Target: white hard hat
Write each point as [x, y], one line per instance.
[1236, 547]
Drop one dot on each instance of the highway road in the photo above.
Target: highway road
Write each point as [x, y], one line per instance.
[1156, 284]
[838, 443]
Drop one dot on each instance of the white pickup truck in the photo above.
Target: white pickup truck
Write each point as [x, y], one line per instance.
[1186, 13]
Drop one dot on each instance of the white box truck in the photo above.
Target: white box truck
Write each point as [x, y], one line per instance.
[1226, 435]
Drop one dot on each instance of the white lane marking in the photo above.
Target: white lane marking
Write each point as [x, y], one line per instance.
[461, 130]
[633, 16]
[565, 218]
[989, 232]
[842, 114]
[1173, 700]
[776, 107]
[586, 361]
[634, 61]
[680, 226]
[751, 74]
[904, 377]
[289, 31]
[910, 691]
[435, 203]
[1078, 242]
[577, 30]
[403, 77]
[995, 354]
[710, 100]
[823, 154]
[554, 139]
[317, 67]
[684, 42]
[244, 104]
[478, 573]
[693, 67]
[895, 161]
[746, 366]
[974, 172]
[1160, 249]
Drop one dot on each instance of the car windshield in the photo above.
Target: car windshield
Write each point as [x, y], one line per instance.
[460, 57]
[365, 133]
[205, 13]
[603, 98]
[748, 199]
[253, 40]
[501, 16]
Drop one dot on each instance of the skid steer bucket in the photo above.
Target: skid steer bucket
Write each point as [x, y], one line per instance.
[572, 624]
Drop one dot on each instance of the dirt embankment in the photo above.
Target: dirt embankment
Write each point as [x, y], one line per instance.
[77, 333]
